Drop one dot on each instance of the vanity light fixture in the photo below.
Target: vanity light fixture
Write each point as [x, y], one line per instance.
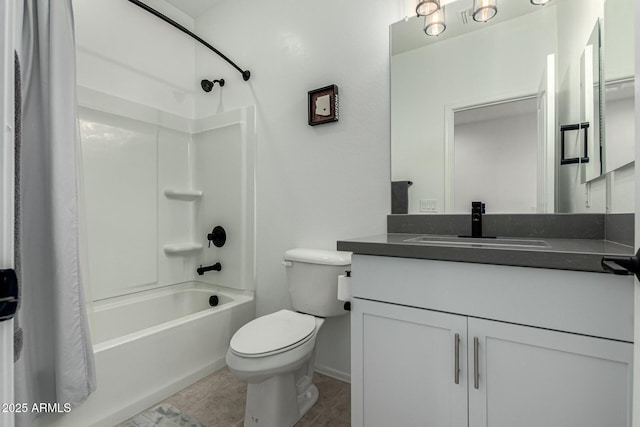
[434, 24]
[427, 7]
[540, 2]
[483, 10]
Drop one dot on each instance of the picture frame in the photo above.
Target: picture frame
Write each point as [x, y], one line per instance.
[323, 105]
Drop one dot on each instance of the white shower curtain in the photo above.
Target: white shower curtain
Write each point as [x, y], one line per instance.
[56, 364]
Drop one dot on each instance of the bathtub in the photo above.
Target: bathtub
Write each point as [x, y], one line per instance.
[152, 344]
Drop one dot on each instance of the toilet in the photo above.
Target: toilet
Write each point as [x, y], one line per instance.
[275, 353]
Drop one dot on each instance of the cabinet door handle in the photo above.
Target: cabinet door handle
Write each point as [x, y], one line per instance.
[476, 364]
[456, 363]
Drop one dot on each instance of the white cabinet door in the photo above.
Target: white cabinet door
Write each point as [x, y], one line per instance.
[535, 377]
[403, 362]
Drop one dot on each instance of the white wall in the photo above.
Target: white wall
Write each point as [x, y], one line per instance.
[315, 185]
[124, 51]
[578, 18]
[619, 52]
[620, 133]
[620, 140]
[621, 190]
[496, 162]
[458, 72]
[612, 193]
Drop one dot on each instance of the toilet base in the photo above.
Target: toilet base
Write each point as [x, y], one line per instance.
[277, 401]
[307, 399]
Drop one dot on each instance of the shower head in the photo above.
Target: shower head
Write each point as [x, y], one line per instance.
[207, 85]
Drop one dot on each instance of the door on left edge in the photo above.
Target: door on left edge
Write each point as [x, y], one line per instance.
[7, 44]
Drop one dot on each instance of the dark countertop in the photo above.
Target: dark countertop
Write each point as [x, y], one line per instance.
[564, 254]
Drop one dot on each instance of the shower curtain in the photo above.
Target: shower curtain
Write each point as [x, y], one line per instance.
[56, 364]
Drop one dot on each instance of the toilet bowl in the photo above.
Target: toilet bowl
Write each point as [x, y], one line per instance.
[280, 376]
[275, 353]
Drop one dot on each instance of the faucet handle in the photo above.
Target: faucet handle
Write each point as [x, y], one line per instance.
[478, 206]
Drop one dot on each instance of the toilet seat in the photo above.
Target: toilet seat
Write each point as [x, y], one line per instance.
[272, 334]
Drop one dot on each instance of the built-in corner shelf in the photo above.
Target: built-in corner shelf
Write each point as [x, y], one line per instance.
[181, 248]
[183, 194]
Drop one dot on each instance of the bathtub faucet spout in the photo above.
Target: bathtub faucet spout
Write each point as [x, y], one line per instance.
[201, 270]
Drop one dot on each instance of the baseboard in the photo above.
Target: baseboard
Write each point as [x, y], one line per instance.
[333, 373]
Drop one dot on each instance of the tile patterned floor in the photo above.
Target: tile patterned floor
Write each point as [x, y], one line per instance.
[218, 401]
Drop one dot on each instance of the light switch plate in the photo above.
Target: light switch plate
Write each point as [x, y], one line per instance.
[428, 205]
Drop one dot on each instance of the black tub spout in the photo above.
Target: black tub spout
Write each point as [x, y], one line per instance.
[201, 270]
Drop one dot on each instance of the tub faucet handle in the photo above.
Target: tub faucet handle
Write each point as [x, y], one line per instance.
[218, 236]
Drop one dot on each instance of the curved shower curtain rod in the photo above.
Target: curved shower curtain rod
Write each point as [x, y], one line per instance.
[246, 74]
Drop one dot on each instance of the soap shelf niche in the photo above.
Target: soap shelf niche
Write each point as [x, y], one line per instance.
[186, 195]
[181, 248]
[182, 194]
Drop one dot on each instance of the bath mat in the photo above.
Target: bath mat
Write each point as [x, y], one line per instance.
[162, 416]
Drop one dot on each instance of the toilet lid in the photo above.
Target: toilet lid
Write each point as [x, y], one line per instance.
[273, 332]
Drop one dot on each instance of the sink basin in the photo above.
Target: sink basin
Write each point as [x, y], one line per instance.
[499, 242]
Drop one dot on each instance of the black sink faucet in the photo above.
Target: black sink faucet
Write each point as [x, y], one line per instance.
[477, 210]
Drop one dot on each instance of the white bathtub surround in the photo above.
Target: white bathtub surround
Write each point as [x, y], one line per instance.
[155, 184]
[165, 182]
[152, 344]
[57, 361]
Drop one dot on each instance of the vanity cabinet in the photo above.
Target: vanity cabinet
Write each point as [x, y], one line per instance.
[534, 377]
[407, 365]
[449, 344]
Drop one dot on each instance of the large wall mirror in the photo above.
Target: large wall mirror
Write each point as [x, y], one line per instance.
[529, 112]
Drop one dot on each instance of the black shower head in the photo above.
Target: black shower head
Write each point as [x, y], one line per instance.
[207, 85]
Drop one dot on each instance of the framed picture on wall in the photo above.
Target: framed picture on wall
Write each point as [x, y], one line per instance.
[323, 105]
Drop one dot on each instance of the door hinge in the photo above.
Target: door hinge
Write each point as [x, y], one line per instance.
[8, 294]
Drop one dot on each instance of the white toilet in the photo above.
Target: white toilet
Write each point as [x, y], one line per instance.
[275, 353]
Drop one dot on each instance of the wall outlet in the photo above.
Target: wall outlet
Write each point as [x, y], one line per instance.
[428, 205]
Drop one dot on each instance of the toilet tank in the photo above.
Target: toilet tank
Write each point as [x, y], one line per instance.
[312, 277]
